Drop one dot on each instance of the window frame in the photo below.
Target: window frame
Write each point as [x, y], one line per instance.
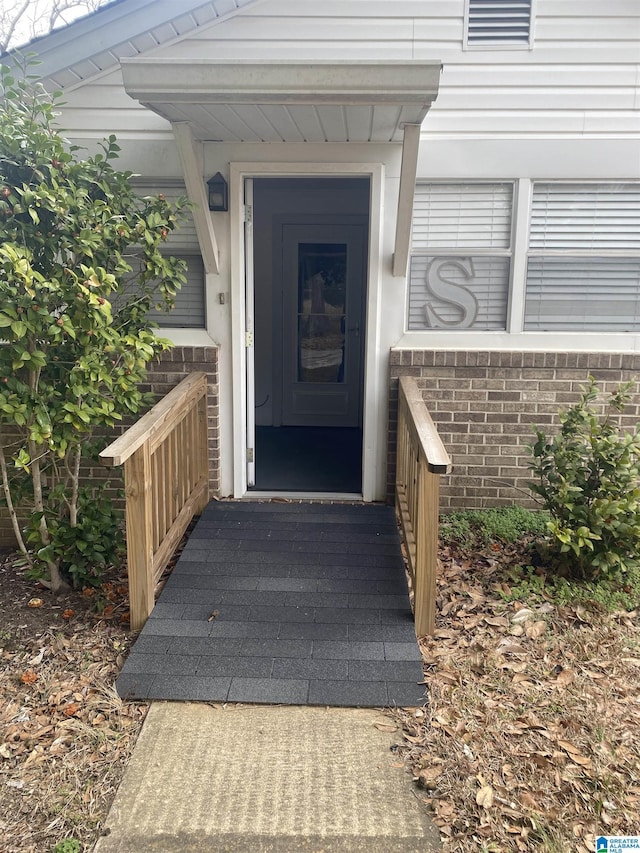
[180, 244]
[507, 252]
[578, 253]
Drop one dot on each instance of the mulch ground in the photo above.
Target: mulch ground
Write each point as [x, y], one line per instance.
[529, 742]
[65, 735]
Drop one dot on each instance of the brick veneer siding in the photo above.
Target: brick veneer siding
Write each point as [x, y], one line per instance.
[163, 375]
[486, 406]
[171, 370]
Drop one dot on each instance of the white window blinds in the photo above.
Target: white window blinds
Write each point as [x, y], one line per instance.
[462, 216]
[583, 271]
[459, 277]
[585, 217]
[189, 310]
[498, 22]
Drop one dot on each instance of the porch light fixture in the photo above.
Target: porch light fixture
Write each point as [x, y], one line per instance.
[218, 193]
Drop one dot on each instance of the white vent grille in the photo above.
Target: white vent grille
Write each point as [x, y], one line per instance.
[495, 22]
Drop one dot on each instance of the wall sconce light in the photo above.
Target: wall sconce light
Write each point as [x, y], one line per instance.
[218, 193]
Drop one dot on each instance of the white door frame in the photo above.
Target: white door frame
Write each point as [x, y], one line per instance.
[375, 379]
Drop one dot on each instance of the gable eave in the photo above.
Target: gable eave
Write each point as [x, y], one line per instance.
[97, 42]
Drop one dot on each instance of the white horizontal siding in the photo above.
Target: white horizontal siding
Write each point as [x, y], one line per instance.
[581, 79]
[101, 106]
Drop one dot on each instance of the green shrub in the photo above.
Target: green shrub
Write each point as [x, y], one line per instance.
[82, 262]
[86, 549]
[476, 528]
[588, 479]
[69, 845]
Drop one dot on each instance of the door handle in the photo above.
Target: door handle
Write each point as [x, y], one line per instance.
[355, 329]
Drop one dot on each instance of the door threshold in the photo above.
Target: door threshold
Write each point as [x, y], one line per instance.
[303, 496]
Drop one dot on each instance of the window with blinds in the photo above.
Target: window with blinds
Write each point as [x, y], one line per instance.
[583, 270]
[460, 256]
[493, 23]
[189, 310]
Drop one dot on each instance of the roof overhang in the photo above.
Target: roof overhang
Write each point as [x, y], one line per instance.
[285, 101]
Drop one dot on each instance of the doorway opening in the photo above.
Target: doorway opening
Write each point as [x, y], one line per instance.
[307, 298]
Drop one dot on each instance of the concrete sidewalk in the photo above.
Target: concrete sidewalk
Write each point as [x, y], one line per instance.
[266, 778]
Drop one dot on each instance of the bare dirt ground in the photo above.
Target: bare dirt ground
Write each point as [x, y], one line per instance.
[529, 742]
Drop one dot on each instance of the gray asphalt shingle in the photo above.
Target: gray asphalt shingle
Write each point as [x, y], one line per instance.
[295, 603]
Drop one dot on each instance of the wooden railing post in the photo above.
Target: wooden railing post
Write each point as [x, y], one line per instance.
[426, 552]
[203, 445]
[421, 459]
[166, 479]
[138, 491]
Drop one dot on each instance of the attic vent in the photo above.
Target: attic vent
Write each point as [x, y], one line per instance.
[498, 22]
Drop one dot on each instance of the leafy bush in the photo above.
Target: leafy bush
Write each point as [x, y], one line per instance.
[86, 549]
[81, 264]
[476, 528]
[588, 477]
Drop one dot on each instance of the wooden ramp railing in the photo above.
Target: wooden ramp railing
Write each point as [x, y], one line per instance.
[421, 458]
[166, 482]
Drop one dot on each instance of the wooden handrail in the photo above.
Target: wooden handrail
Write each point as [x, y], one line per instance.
[421, 459]
[166, 483]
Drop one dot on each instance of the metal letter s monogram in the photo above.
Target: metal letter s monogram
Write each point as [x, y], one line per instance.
[448, 290]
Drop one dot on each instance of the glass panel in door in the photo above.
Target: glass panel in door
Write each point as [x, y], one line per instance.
[322, 289]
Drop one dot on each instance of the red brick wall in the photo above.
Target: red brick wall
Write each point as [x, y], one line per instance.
[486, 406]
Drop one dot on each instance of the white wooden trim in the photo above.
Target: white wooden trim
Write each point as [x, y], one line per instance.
[250, 329]
[523, 342]
[408, 172]
[238, 390]
[194, 183]
[520, 241]
[374, 439]
[375, 378]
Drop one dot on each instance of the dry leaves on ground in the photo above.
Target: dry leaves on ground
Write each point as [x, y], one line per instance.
[529, 741]
[65, 736]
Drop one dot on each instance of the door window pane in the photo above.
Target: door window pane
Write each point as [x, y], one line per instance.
[322, 289]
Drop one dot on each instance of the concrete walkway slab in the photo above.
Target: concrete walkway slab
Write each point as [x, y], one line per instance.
[236, 779]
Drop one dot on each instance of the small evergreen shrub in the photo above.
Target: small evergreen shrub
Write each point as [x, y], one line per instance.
[588, 479]
[87, 548]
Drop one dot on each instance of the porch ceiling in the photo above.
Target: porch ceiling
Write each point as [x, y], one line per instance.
[277, 101]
